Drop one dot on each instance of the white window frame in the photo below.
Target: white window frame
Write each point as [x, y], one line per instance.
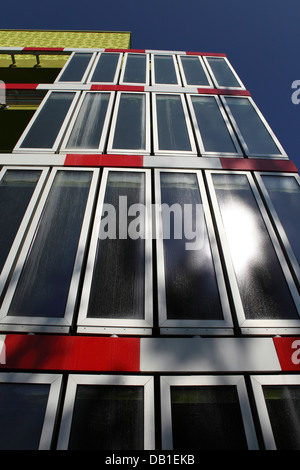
[117, 72]
[19, 149]
[55, 382]
[147, 71]
[15, 247]
[157, 150]
[153, 82]
[184, 326]
[281, 155]
[258, 381]
[146, 150]
[210, 83]
[215, 81]
[247, 325]
[85, 74]
[204, 152]
[172, 381]
[103, 137]
[45, 324]
[75, 380]
[118, 326]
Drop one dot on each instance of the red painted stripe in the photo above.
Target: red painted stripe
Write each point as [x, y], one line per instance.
[117, 88]
[21, 86]
[45, 49]
[288, 352]
[73, 353]
[219, 91]
[211, 54]
[141, 51]
[104, 160]
[253, 164]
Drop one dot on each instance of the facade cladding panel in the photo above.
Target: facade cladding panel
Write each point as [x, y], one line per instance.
[149, 255]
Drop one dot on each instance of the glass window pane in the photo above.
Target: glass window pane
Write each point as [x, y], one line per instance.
[45, 279]
[118, 282]
[22, 414]
[171, 124]
[45, 128]
[135, 71]
[88, 127]
[109, 417]
[105, 69]
[165, 70]
[130, 130]
[224, 75]
[193, 71]
[16, 190]
[207, 418]
[263, 288]
[253, 130]
[214, 132]
[76, 68]
[284, 192]
[191, 289]
[283, 405]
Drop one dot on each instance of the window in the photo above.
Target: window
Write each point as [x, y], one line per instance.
[42, 293]
[117, 291]
[193, 71]
[108, 413]
[223, 73]
[77, 67]
[278, 404]
[89, 126]
[19, 192]
[213, 131]
[255, 136]
[135, 69]
[28, 410]
[191, 286]
[164, 70]
[106, 68]
[130, 131]
[263, 288]
[45, 130]
[171, 126]
[206, 413]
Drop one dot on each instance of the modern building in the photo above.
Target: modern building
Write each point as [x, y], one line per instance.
[149, 252]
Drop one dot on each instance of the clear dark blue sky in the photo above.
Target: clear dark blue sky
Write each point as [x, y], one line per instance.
[260, 37]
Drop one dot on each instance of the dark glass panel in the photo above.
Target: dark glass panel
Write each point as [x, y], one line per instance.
[130, 130]
[165, 70]
[105, 69]
[193, 71]
[76, 68]
[224, 75]
[135, 71]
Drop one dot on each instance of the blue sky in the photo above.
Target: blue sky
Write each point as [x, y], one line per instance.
[260, 38]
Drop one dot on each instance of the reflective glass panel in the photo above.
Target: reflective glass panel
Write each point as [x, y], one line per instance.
[224, 75]
[135, 71]
[263, 288]
[76, 68]
[165, 70]
[130, 130]
[193, 71]
[105, 69]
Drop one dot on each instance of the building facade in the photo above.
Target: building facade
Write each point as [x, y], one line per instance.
[149, 256]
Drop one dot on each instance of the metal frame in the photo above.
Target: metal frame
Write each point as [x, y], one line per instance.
[258, 381]
[216, 83]
[104, 134]
[166, 413]
[55, 382]
[281, 155]
[210, 85]
[147, 71]
[44, 324]
[156, 147]
[238, 152]
[75, 380]
[117, 71]
[118, 326]
[19, 149]
[173, 55]
[184, 326]
[85, 74]
[263, 326]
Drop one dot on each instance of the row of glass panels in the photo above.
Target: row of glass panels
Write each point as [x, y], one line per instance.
[145, 123]
[140, 68]
[46, 251]
[111, 412]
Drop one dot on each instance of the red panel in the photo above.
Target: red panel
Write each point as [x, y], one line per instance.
[288, 351]
[49, 49]
[21, 86]
[104, 160]
[210, 54]
[218, 91]
[117, 88]
[73, 353]
[254, 164]
[126, 50]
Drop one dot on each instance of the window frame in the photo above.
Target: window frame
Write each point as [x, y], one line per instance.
[18, 147]
[166, 382]
[94, 66]
[251, 326]
[85, 74]
[184, 326]
[46, 324]
[156, 148]
[230, 130]
[74, 380]
[281, 155]
[104, 134]
[118, 326]
[55, 382]
[257, 382]
[214, 79]
[176, 68]
[183, 77]
[123, 70]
